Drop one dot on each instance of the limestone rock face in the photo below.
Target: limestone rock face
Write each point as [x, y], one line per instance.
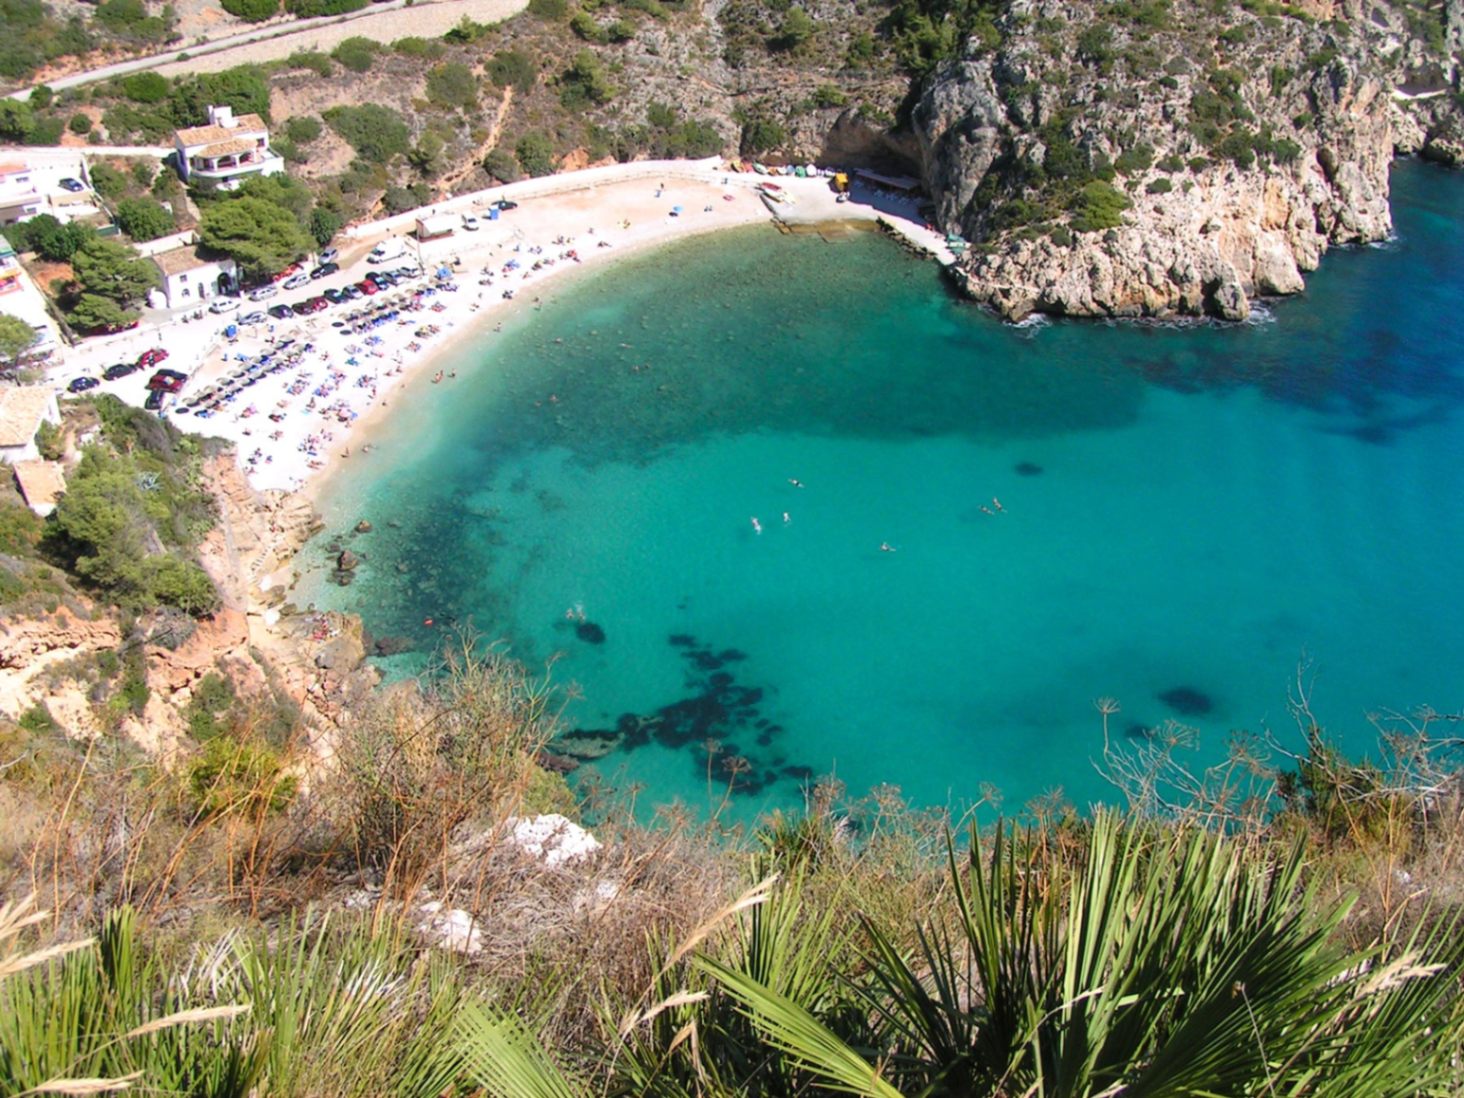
[1241, 166]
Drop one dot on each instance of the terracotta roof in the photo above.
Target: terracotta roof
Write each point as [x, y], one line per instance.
[10, 167]
[226, 148]
[21, 409]
[204, 135]
[41, 483]
[178, 260]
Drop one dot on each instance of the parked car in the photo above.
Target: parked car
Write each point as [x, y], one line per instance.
[353, 292]
[288, 272]
[168, 381]
[311, 305]
[119, 370]
[335, 297]
[155, 400]
[73, 185]
[82, 384]
[294, 282]
[253, 318]
[263, 292]
[505, 204]
[325, 269]
[407, 272]
[367, 287]
[382, 279]
[223, 304]
[470, 223]
[151, 357]
[329, 255]
[281, 312]
[113, 329]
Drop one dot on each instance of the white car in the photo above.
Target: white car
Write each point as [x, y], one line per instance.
[253, 318]
[328, 256]
[224, 305]
[470, 223]
[296, 281]
[263, 292]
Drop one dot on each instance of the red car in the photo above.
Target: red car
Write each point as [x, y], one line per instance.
[292, 269]
[167, 381]
[367, 287]
[151, 357]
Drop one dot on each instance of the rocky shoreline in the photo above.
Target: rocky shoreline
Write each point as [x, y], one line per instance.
[1228, 176]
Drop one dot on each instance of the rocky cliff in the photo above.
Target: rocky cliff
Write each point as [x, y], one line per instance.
[1148, 159]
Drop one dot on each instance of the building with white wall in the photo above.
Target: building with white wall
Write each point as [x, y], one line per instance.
[226, 152]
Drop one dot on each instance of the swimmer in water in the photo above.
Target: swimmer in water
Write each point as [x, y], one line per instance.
[786, 519]
[756, 526]
[795, 483]
[997, 504]
[886, 547]
[985, 510]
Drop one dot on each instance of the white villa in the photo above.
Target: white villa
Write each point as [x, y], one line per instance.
[20, 197]
[226, 152]
[23, 408]
[190, 279]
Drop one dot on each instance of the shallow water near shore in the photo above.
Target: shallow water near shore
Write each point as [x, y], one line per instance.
[1185, 514]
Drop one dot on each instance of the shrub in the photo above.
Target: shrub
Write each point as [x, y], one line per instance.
[129, 19]
[1095, 44]
[108, 182]
[1098, 206]
[585, 82]
[760, 134]
[145, 87]
[510, 68]
[1135, 159]
[795, 31]
[303, 129]
[143, 219]
[310, 9]
[1172, 163]
[501, 165]
[252, 11]
[829, 95]
[240, 777]
[452, 85]
[46, 131]
[357, 53]
[583, 24]
[209, 707]
[428, 48]
[535, 154]
[143, 172]
[79, 123]
[377, 133]
[324, 224]
[311, 61]
[549, 9]
[1162, 185]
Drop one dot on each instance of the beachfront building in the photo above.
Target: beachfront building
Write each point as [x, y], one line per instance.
[20, 196]
[227, 151]
[435, 226]
[191, 279]
[23, 408]
[9, 268]
[41, 484]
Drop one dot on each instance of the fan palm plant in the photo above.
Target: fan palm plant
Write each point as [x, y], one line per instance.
[1165, 962]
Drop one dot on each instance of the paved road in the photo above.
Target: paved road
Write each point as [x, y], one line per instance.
[383, 22]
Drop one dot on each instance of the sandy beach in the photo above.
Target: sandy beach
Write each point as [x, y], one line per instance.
[298, 396]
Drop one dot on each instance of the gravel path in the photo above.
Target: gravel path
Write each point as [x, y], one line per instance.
[423, 20]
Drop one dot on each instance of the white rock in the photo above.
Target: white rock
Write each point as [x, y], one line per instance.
[553, 839]
[450, 928]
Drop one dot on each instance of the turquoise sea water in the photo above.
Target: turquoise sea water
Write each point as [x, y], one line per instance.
[1187, 514]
